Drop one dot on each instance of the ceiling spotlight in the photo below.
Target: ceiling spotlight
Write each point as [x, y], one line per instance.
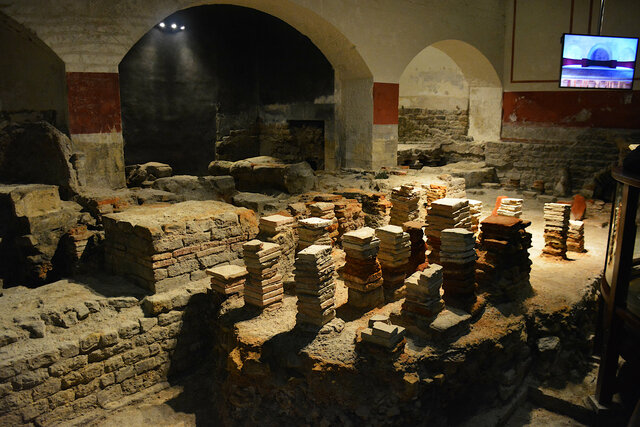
[174, 26]
[161, 25]
[182, 28]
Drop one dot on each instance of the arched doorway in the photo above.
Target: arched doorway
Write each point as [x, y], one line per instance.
[449, 92]
[228, 83]
[351, 100]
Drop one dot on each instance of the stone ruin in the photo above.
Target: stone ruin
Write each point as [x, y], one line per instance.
[167, 276]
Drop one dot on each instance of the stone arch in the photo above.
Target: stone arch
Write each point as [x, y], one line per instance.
[483, 83]
[351, 142]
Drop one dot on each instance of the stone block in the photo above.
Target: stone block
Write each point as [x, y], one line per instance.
[165, 319]
[182, 229]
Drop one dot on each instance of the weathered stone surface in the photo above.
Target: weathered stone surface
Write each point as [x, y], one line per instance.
[257, 202]
[38, 153]
[150, 171]
[33, 221]
[198, 187]
[263, 173]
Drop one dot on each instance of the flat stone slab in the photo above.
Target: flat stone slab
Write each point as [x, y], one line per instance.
[449, 322]
[227, 272]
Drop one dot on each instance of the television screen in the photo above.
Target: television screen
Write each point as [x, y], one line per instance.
[598, 62]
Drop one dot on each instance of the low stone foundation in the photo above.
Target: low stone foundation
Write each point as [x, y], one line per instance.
[80, 351]
[160, 247]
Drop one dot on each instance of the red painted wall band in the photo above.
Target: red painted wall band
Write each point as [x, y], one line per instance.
[94, 102]
[385, 103]
[575, 108]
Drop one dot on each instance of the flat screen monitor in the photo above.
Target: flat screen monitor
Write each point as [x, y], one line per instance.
[598, 62]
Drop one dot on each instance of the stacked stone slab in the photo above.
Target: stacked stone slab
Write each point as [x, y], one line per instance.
[503, 265]
[160, 247]
[264, 286]
[375, 206]
[325, 210]
[404, 200]
[435, 192]
[575, 236]
[475, 210]
[423, 299]
[315, 285]
[280, 229]
[418, 257]
[458, 259]
[362, 273]
[314, 231]
[228, 279]
[456, 186]
[395, 249]
[383, 334]
[298, 210]
[510, 206]
[349, 214]
[556, 229]
[445, 213]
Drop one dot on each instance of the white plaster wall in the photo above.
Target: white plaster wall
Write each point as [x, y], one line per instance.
[365, 40]
[432, 80]
[539, 25]
[485, 113]
[387, 34]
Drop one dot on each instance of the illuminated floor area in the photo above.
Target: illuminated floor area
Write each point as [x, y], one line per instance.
[276, 371]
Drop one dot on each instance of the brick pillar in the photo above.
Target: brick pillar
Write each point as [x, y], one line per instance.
[385, 124]
[95, 126]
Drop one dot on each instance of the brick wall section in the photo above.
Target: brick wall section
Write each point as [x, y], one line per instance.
[139, 347]
[417, 124]
[160, 248]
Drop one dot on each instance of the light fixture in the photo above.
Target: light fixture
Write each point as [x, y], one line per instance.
[174, 26]
[161, 25]
[182, 28]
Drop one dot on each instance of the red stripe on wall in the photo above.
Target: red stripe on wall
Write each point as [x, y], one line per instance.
[94, 102]
[606, 109]
[385, 103]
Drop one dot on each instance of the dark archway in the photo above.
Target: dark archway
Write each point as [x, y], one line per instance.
[32, 87]
[235, 75]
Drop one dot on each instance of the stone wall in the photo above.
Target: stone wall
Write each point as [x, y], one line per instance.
[585, 153]
[160, 247]
[100, 354]
[421, 124]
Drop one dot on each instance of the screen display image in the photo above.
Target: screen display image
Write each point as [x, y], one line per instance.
[598, 62]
